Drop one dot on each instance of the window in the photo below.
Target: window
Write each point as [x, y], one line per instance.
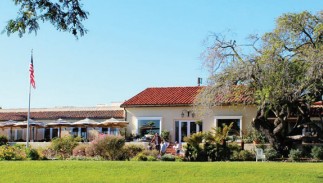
[47, 135]
[186, 128]
[105, 130]
[220, 121]
[19, 134]
[110, 131]
[147, 125]
[74, 132]
[54, 132]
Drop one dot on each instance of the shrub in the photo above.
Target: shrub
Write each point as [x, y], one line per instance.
[12, 153]
[131, 150]
[234, 147]
[140, 157]
[295, 155]
[271, 154]
[108, 146]
[80, 150]
[243, 155]
[41, 154]
[32, 154]
[194, 150]
[146, 155]
[253, 135]
[7, 153]
[317, 152]
[234, 151]
[306, 150]
[179, 158]
[3, 140]
[165, 135]
[48, 154]
[151, 158]
[64, 146]
[168, 157]
[84, 158]
[235, 156]
[246, 155]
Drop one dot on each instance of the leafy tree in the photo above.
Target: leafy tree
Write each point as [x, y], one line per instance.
[281, 72]
[64, 15]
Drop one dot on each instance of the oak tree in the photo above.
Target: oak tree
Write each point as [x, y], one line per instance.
[64, 15]
[282, 71]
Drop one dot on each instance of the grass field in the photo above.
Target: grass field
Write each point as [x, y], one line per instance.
[125, 171]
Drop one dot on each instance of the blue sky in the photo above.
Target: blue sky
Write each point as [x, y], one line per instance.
[131, 45]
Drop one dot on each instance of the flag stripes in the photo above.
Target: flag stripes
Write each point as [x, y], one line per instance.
[31, 70]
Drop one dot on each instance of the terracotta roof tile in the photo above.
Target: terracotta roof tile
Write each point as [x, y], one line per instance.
[238, 94]
[164, 96]
[44, 115]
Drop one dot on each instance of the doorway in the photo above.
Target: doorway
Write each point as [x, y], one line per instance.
[186, 128]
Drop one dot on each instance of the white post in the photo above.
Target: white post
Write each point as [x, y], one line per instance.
[51, 133]
[28, 119]
[79, 131]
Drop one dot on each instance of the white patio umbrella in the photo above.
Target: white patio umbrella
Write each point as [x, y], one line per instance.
[8, 124]
[32, 123]
[86, 123]
[112, 122]
[59, 123]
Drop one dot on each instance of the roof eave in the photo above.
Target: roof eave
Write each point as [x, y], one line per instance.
[155, 105]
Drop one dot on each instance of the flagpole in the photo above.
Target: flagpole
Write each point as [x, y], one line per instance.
[28, 115]
[28, 119]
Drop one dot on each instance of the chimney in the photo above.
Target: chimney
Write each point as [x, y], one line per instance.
[199, 81]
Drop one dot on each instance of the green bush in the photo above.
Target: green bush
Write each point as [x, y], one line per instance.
[84, 158]
[48, 154]
[12, 153]
[243, 155]
[151, 158]
[179, 158]
[234, 151]
[194, 148]
[234, 147]
[295, 155]
[3, 140]
[131, 150]
[235, 156]
[252, 135]
[140, 157]
[246, 155]
[80, 150]
[165, 135]
[168, 157]
[146, 155]
[64, 146]
[108, 146]
[317, 152]
[271, 154]
[32, 154]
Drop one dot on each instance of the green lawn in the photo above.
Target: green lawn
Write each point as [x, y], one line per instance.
[125, 171]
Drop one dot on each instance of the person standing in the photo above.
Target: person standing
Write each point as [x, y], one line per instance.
[156, 140]
[176, 147]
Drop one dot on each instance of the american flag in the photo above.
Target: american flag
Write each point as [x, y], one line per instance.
[31, 70]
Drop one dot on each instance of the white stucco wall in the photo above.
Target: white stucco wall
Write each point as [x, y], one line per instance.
[169, 115]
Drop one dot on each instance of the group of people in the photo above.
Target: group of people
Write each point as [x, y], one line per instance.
[161, 145]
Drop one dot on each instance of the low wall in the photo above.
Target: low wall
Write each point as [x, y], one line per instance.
[47, 144]
[33, 144]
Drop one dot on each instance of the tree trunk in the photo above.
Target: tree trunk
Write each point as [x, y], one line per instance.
[272, 132]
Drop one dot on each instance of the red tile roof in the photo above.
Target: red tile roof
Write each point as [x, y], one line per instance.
[164, 96]
[238, 94]
[44, 115]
